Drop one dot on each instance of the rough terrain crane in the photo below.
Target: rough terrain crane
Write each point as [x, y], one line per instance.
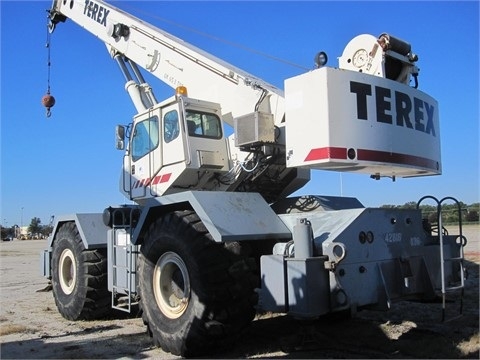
[211, 236]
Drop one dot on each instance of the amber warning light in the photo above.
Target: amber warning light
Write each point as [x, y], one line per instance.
[181, 90]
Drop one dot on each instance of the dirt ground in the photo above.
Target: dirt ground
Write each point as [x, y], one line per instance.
[31, 327]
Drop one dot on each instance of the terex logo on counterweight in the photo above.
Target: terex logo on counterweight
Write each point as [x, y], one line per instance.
[412, 113]
[96, 12]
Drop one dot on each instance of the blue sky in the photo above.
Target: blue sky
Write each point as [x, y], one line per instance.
[68, 163]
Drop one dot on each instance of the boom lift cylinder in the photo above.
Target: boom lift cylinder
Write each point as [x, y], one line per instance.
[140, 92]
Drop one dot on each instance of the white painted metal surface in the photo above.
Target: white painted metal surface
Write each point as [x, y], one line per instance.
[348, 121]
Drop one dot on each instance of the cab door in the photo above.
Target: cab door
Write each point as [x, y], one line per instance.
[145, 151]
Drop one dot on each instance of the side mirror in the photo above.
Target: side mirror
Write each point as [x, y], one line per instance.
[120, 137]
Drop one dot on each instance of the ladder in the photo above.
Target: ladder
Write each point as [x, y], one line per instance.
[460, 241]
[123, 265]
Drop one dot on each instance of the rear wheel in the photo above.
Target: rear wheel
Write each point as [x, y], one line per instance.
[196, 294]
[79, 277]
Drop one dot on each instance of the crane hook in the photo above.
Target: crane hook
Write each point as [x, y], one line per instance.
[48, 101]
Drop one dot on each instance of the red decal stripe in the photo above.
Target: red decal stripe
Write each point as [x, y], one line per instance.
[159, 179]
[372, 155]
[326, 153]
[152, 181]
[166, 177]
[396, 158]
[156, 180]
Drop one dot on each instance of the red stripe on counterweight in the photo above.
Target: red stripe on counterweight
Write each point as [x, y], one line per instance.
[327, 153]
[372, 155]
[396, 158]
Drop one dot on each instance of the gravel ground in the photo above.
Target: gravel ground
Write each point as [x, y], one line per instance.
[31, 327]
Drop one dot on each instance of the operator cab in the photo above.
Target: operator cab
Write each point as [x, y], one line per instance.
[175, 145]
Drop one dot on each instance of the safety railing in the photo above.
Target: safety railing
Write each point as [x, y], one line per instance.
[460, 241]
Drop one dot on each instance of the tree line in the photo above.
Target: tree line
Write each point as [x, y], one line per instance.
[35, 230]
[450, 211]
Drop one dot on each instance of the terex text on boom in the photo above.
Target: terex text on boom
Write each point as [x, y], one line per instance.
[96, 12]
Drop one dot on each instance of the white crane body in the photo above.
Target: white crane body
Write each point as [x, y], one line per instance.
[211, 209]
[372, 125]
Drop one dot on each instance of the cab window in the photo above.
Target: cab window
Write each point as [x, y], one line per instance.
[171, 127]
[202, 124]
[145, 138]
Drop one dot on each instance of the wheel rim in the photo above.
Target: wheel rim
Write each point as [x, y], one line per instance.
[171, 285]
[67, 271]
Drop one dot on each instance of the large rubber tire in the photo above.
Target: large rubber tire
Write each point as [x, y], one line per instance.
[196, 295]
[79, 277]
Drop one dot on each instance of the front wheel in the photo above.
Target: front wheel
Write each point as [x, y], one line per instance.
[171, 285]
[79, 277]
[196, 294]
